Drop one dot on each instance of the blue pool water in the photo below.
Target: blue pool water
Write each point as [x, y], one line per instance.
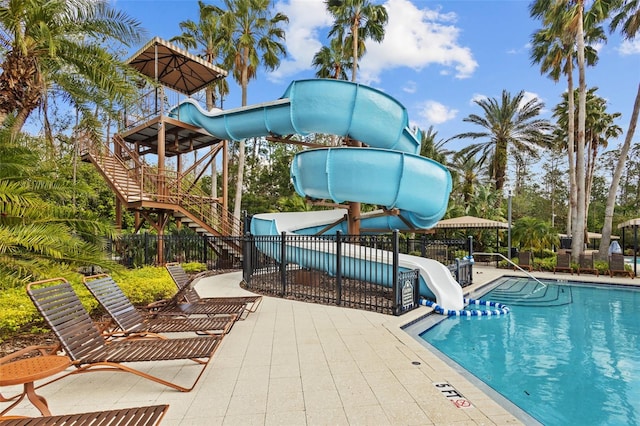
[566, 354]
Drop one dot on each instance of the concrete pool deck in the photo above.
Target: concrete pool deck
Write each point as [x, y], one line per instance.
[296, 363]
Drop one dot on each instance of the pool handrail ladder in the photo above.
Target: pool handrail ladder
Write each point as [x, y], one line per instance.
[510, 262]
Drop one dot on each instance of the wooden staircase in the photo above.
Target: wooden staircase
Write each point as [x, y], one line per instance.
[140, 188]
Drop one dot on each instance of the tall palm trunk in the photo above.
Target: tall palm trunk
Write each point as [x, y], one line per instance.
[615, 180]
[577, 245]
[237, 205]
[590, 170]
[571, 217]
[354, 31]
[354, 206]
[210, 100]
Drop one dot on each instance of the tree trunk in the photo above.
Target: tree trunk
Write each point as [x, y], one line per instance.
[237, 205]
[590, 169]
[18, 122]
[354, 32]
[211, 102]
[577, 245]
[571, 217]
[615, 180]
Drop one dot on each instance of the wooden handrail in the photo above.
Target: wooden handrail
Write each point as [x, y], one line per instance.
[142, 184]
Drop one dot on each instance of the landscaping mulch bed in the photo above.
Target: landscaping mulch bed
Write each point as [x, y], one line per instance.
[23, 340]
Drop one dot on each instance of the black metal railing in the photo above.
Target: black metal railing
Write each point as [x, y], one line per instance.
[142, 249]
[360, 272]
[339, 269]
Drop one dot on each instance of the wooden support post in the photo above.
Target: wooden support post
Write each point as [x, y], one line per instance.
[161, 159]
[354, 207]
[118, 214]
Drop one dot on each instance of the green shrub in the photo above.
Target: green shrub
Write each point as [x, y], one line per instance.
[142, 286]
[194, 267]
[544, 254]
[19, 315]
[602, 266]
[145, 285]
[459, 254]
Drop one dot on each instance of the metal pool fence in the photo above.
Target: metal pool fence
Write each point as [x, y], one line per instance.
[346, 270]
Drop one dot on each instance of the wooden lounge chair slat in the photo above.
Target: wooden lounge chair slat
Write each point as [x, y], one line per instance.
[563, 263]
[186, 290]
[585, 262]
[129, 320]
[525, 260]
[87, 348]
[616, 265]
[138, 416]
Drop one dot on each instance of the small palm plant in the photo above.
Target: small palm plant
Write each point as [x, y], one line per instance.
[534, 234]
[40, 230]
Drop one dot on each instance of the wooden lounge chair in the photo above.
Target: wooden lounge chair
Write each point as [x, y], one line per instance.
[586, 264]
[128, 319]
[525, 260]
[190, 295]
[87, 348]
[616, 265]
[138, 416]
[563, 263]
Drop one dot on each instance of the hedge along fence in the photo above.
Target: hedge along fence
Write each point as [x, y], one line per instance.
[142, 286]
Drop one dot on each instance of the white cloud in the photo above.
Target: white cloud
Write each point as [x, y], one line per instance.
[416, 38]
[410, 87]
[630, 47]
[306, 19]
[517, 51]
[436, 113]
[527, 96]
[477, 97]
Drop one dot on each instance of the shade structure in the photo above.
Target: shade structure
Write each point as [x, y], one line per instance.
[470, 222]
[629, 223]
[592, 236]
[174, 67]
[632, 223]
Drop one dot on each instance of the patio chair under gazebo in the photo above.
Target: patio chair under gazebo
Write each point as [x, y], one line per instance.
[471, 222]
[633, 223]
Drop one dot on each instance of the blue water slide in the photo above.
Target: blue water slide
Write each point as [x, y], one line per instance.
[386, 172]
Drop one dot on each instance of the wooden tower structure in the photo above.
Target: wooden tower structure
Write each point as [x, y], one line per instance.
[146, 163]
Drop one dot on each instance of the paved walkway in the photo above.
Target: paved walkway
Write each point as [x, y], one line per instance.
[295, 363]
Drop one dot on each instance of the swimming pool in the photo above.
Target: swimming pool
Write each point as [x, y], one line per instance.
[566, 354]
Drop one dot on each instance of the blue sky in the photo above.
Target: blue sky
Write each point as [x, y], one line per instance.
[436, 58]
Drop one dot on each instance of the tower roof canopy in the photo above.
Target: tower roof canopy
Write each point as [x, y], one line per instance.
[174, 67]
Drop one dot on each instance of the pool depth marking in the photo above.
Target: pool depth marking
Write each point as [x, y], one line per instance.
[452, 395]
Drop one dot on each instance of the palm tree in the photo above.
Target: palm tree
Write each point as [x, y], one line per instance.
[508, 122]
[553, 49]
[39, 228]
[485, 203]
[433, 149]
[627, 18]
[360, 20]
[206, 34]
[57, 45]
[332, 61]
[354, 22]
[534, 234]
[599, 128]
[469, 172]
[252, 38]
[564, 22]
